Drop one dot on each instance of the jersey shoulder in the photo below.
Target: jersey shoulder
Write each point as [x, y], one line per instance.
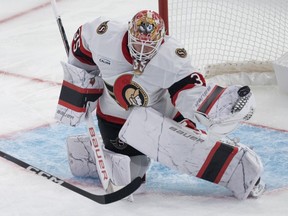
[103, 30]
[171, 63]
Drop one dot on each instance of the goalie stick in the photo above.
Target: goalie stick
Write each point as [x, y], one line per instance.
[101, 199]
[60, 26]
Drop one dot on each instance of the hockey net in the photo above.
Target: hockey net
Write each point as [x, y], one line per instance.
[229, 36]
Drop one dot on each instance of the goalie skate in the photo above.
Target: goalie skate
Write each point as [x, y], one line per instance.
[258, 189]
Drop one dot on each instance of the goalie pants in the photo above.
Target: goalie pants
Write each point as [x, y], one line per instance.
[109, 132]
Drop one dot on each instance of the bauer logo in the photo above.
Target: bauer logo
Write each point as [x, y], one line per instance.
[203, 96]
[186, 134]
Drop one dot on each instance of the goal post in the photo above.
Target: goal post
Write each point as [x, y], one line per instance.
[229, 36]
[163, 11]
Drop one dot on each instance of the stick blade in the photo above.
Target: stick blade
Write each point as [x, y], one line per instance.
[123, 192]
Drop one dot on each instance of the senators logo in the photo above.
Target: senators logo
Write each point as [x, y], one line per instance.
[102, 28]
[129, 93]
[181, 52]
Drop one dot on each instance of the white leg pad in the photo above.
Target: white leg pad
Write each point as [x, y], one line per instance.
[234, 166]
[139, 165]
[81, 157]
[248, 169]
[121, 168]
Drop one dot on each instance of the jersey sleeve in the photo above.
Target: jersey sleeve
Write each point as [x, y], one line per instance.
[185, 92]
[80, 54]
[183, 82]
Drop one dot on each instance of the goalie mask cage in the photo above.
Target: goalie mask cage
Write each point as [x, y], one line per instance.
[226, 36]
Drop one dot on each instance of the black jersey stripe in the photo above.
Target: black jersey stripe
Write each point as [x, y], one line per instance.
[188, 82]
[77, 97]
[210, 100]
[217, 162]
[110, 90]
[79, 50]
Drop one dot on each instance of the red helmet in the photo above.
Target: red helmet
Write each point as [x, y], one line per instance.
[145, 34]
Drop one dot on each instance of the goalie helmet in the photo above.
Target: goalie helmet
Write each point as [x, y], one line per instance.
[146, 32]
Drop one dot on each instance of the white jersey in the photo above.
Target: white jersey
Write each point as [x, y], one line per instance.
[169, 85]
[101, 45]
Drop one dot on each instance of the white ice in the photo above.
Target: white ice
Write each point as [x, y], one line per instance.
[31, 46]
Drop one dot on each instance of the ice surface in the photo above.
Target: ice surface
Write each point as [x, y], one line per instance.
[31, 47]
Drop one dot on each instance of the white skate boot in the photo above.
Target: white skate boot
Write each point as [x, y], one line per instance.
[258, 189]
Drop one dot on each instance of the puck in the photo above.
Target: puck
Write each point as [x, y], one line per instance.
[243, 91]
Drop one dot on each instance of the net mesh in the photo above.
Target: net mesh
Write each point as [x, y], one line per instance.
[231, 33]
